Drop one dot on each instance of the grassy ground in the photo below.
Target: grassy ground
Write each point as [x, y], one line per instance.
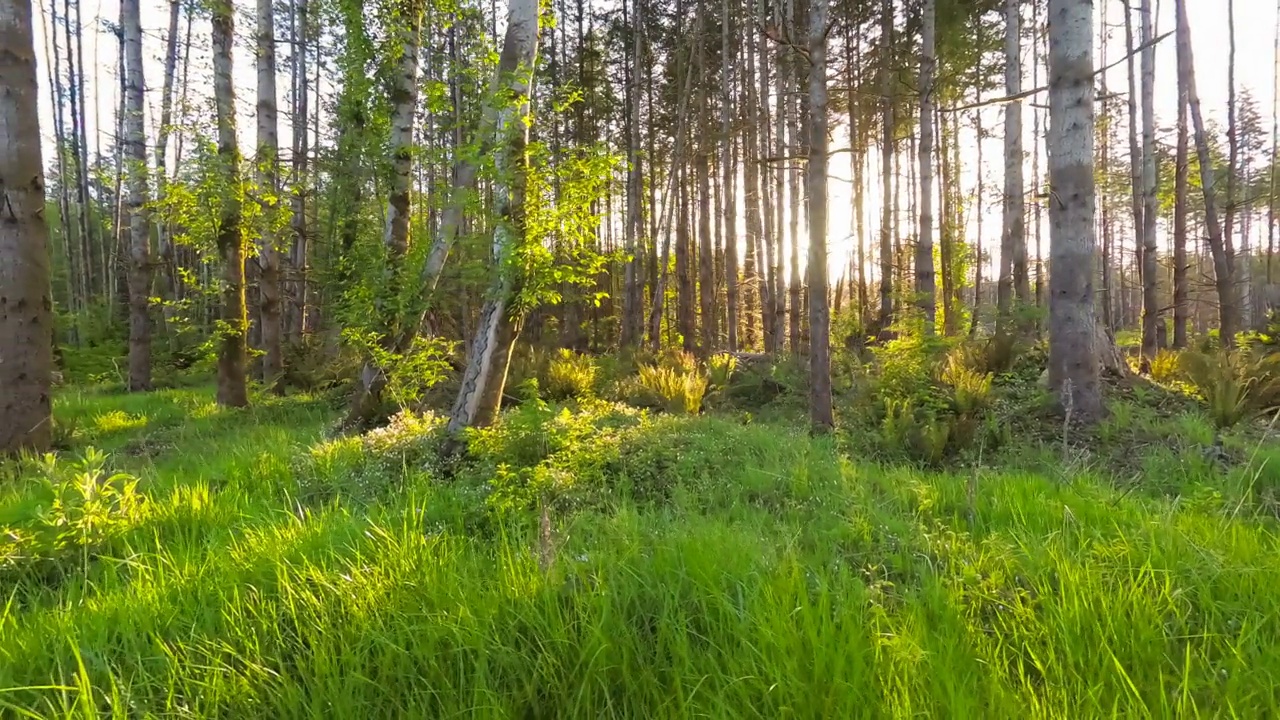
[602, 562]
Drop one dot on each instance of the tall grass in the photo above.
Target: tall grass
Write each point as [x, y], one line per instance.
[721, 570]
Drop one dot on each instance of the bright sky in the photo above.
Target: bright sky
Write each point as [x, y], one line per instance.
[1255, 31]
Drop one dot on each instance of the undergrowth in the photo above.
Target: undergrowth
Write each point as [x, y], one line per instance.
[597, 559]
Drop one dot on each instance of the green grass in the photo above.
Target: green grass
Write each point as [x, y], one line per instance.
[690, 566]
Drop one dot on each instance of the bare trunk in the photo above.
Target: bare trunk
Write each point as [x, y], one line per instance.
[1073, 335]
[269, 189]
[632, 298]
[926, 290]
[296, 318]
[754, 261]
[135, 149]
[26, 302]
[729, 174]
[1150, 268]
[232, 350]
[484, 378]
[1228, 305]
[820, 414]
[886, 167]
[168, 261]
[1013, 236]
[1182, 177]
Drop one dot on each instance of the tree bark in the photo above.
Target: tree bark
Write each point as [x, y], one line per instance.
[295, 325]
[1013, 236]
[1073, 352]
[926, 290]
[888, 128]
[135, 149]
[480, 396]
[820, 413]
[1219, 244]
[728, 53]
[632, 298]
[1150, 268]
[268, 190]
[1182, 178]
[232, 350]
[26, 295]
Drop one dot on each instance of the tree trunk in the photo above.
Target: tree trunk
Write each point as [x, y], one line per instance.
[296, 318]
[820, 414]
[268, 189]
[1013, 232]
[632, 298]
[1228, 305]
[232, 350]
[26, 295]
[135, 149]
[728, 52]
[484, 378]
[926, 291]
[1073, 352]
[1150, 268]
[1182, 177]
[887, 127]
[168, 277]
[754, 261]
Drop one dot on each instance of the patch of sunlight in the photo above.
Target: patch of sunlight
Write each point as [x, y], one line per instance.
[202, 410]
[119, 421]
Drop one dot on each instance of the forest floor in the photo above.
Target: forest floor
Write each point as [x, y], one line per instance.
[721, 565]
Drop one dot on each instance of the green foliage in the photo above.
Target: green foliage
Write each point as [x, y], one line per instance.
[570, 375]
[673, 390]
[409, 375]
[720, 370]
[87, 508]
[1165, 367]
[1236, 385]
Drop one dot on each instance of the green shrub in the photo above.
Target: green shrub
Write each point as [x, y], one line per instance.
[720, 370]
[87, 509]
[1236, 385]
[672, 390]
[1165, 367]
[570, 375]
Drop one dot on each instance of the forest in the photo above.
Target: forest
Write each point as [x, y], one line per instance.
[639, 358]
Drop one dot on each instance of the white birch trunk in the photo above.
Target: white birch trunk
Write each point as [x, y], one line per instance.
[135, 150]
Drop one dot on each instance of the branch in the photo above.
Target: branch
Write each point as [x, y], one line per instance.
[1035, 91]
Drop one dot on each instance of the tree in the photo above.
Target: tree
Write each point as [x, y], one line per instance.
[1224, 281]
[888, 131]
[1150, 298]
[1073, 355]
[232, 349]
[925, 282]
[268, 161]
[820, 414]
[480, 395]
[135, 143]
[26, 302]
[1182, 176]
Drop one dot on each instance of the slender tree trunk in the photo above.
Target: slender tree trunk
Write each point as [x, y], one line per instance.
[1073, 355]
[1013, 233]
[632, 298]
[1275, 157]
[26, 294]
[1228, 305]
[232, 350]
[926, 290]
[820, 414]
[1135, 153]
[1233, 168]
[269, 189]
[886, 167]
[729, 58]
[796, 205]
[1182, 177]
[1150, 268]
[168, 276]
[135, 150]
[754, 261]
[484, 378]
[299, 256]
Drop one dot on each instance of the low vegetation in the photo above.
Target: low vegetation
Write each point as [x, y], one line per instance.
[623, 544]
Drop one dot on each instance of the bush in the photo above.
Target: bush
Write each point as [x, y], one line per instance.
[720, 370]
[1236, 385]
[672, 390]
[1165, 367]
[570, 375]
[88, 509]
